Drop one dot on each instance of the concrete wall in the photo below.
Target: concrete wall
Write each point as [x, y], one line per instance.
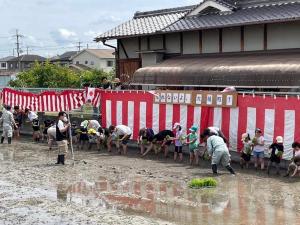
[254, 38]
[231, 39]
[191, 43]
[150, 59]
[173, 43]
[131, 46]
[92, 61]
[281, 36]
[210, 41]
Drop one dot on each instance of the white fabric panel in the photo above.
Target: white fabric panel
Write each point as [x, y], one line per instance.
[197, 119]
[143, 110]
[233, 128]
[119, 112]
[289, 131]
[269, 126]
[251, 121]
[108, 113]
[155, 115]
[169, 117]
[218, 117]
[183, 118]
[131, 114]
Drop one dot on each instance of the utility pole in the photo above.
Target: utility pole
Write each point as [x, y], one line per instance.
[27, 48]
[79, 46]
[18, 36]
[13, 51]
[87, 46]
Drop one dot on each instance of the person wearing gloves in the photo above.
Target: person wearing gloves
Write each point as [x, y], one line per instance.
[218, 151]
[8, 122]
[62, 127]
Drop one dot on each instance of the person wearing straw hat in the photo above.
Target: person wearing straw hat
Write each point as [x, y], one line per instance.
[218, 152]
[276, 149]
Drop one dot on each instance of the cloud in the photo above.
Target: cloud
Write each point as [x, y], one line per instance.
[63, 35]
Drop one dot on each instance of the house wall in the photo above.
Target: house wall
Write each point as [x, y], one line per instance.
[173, 43]
[3, 65]
[281, 36]
[92, 61]
[231, 39]
[254, 38]
[156, 42]
[210, 41]
[191, 42]
[131, 46]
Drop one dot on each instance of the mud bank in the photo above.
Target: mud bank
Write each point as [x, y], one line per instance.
[102, 188]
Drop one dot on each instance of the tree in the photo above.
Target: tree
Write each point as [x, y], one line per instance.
[49, 75]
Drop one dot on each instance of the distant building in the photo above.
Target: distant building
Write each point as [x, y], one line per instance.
[23, 62]
[65, 59]
[101, 59]
[216, 42]
[4, 62]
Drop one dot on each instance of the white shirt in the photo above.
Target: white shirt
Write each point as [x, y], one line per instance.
[94, 124]
[123, 130]
[259, 148]
[32, 116]
[60, 125]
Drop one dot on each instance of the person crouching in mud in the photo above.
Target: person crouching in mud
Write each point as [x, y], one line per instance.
[218, 151]
[62, 127]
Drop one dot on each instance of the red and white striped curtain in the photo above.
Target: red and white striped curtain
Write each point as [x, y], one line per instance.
[276, 117]
[45, 102]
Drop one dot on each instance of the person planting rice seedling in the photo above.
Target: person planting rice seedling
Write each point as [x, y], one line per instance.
[145, 138]
[193, 145]
[246, 152]
[8, 123]
[34, 119]
[276, 150]
[122, 134]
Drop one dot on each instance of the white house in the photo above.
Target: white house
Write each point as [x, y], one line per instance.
[101, 59]
[4, 64]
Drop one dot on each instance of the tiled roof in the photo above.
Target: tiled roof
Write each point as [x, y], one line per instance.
[145, 23]
[99, 53]
[5, 59]
[242, 12]
[249, 15]
[28, 58]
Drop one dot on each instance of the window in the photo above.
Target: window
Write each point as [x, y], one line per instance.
[86, 62]
[77, 62]
[110, 63]
[3, 65]
[92, 63]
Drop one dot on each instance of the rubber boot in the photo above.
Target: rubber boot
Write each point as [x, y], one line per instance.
[229, 168]
[9, 140]
[58, 159]
[214, 169]
[62, 159]
[2, 140]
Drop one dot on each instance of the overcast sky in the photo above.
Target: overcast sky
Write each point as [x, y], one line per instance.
[51, 27]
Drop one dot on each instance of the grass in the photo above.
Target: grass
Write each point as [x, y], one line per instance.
[203, 182]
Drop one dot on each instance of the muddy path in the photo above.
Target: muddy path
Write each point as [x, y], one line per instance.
[102, 188]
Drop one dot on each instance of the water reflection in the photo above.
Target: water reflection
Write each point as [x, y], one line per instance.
[235, 201]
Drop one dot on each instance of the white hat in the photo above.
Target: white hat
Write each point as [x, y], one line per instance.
[175, 125]
[279, 139]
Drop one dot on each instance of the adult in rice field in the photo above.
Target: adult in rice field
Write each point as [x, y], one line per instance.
[62, 127]
[7, 121]
[218, 152]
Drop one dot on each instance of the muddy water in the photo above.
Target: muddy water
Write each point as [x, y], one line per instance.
[111, 189]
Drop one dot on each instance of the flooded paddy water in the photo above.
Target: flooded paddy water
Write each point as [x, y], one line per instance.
[110, 189]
